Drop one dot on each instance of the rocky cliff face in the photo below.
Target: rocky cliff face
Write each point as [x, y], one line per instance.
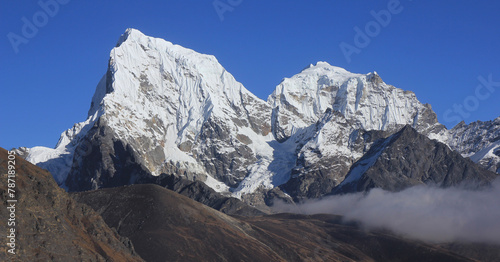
[162, 109]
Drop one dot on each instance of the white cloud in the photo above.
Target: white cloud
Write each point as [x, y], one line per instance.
[422, 212]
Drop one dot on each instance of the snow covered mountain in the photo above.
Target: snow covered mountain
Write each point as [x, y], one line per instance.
[480, 141]
[165, 109]
[357, 105]
[365, 99]
[175, 110]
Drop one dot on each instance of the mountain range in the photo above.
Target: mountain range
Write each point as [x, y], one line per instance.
[166, 114]
[178, 161]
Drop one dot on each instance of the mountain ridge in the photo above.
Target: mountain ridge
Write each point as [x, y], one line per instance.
[410, 160]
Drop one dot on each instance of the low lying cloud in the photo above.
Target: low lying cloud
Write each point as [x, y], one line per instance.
[425, 213]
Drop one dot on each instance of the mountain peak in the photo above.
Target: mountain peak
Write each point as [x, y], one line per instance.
[319, 64]
[168, 97]
[324, 68]
[302, 99]
[130, 33]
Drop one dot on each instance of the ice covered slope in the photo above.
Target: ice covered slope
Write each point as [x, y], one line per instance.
[177, 106]
[301, 100]
[480, 141]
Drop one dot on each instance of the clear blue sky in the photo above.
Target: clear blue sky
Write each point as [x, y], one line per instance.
[437, 49]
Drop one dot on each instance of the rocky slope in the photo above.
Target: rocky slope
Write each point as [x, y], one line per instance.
[202, 193]
[407, 159]
[162, 109]
[165, 226]
[51, 226]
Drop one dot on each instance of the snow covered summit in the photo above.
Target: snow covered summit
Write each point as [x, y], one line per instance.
[300, 101]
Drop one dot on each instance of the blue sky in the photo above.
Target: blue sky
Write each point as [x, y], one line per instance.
[437, 49]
